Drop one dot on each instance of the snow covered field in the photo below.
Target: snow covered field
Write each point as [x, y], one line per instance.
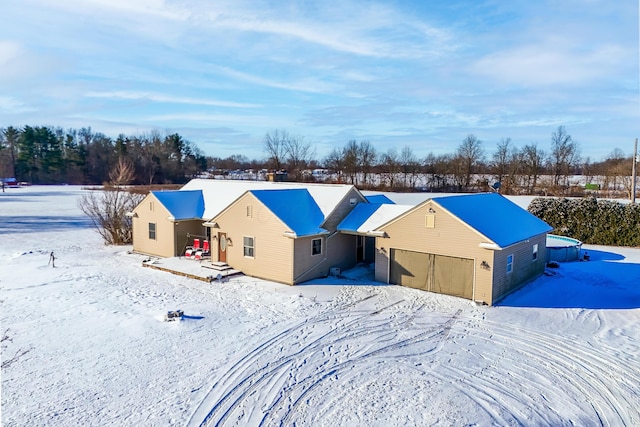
[564, 350]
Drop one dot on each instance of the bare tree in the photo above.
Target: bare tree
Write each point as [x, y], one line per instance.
[564, 155]
[334, 161]
[410, 166]
[514, 170]
[390, 167]
[501, 157]
[123, 173]
[298, 154]
[276, 145]
[613, 170]
[458, 167]
[469, 154]
[532, 163]
[107, 209]
[368, 158]
[350, 158]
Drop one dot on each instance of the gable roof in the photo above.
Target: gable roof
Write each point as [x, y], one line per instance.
[182, 204]
[295, 207]
[367, 217]
[218, 193]
[495, 217]
[379, 199]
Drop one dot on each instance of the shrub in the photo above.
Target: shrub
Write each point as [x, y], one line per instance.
[599, 222]
[107, 210]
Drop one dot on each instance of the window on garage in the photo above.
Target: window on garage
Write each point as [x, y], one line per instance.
[535, 252]
[509, 263]
[152, 231]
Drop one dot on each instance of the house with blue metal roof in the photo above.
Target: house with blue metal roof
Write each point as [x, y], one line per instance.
[476, 246]
[287, 235]
[166, 222]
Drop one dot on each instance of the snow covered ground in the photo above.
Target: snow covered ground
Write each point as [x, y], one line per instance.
[564, 350]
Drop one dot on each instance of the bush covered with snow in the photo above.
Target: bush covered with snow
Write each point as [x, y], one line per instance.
[600, 222]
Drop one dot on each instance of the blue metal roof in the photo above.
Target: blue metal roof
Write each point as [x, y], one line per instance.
[182, 204]
[495, 217]
[295, 207]
[358, 216]
[379, 199]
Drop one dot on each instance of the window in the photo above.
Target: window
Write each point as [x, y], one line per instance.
[535, 252]
[152, 231]
[353, 201]
[316, 246]
[248, 246]
[249, 211]
[509, 263]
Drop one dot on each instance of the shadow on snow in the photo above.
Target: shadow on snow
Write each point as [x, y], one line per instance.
[38, 224]
[601, 283]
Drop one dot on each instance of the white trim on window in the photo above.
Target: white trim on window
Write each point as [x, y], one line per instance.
[248, 246]
[316, 247]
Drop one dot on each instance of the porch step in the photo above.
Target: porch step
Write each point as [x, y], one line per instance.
[222, 270]
[219, 266]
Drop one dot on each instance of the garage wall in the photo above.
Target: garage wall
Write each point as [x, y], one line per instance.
[525, 268]
[448, 236]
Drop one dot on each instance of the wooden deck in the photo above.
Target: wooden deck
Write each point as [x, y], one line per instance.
[202, 270]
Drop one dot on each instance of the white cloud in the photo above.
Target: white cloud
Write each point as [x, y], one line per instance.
[9, 51]
[549, 64]
[305, 85]
[9, 105]
[135, 95]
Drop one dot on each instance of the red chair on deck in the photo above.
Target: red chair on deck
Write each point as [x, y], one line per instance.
[191, 250]
[204, 251]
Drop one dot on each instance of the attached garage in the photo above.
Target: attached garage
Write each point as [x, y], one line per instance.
[476, 246]
[431, 272]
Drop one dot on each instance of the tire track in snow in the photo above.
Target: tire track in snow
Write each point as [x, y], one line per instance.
[342, 347]
[280, 363]
[440, 331]
[558, 364]
[240, 381]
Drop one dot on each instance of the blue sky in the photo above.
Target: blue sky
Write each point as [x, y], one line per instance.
[422, 74]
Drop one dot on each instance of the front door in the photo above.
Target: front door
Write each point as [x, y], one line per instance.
[360, 248]
[222, 247]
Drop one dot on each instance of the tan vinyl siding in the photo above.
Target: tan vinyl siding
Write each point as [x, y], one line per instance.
[272, 250]
[449, 236]
[525, 268]
[338, 250]
[152, 211]
[343, 209]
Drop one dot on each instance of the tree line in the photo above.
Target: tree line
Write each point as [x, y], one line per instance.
[529, 169]
[52, 155]
[47, 155]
